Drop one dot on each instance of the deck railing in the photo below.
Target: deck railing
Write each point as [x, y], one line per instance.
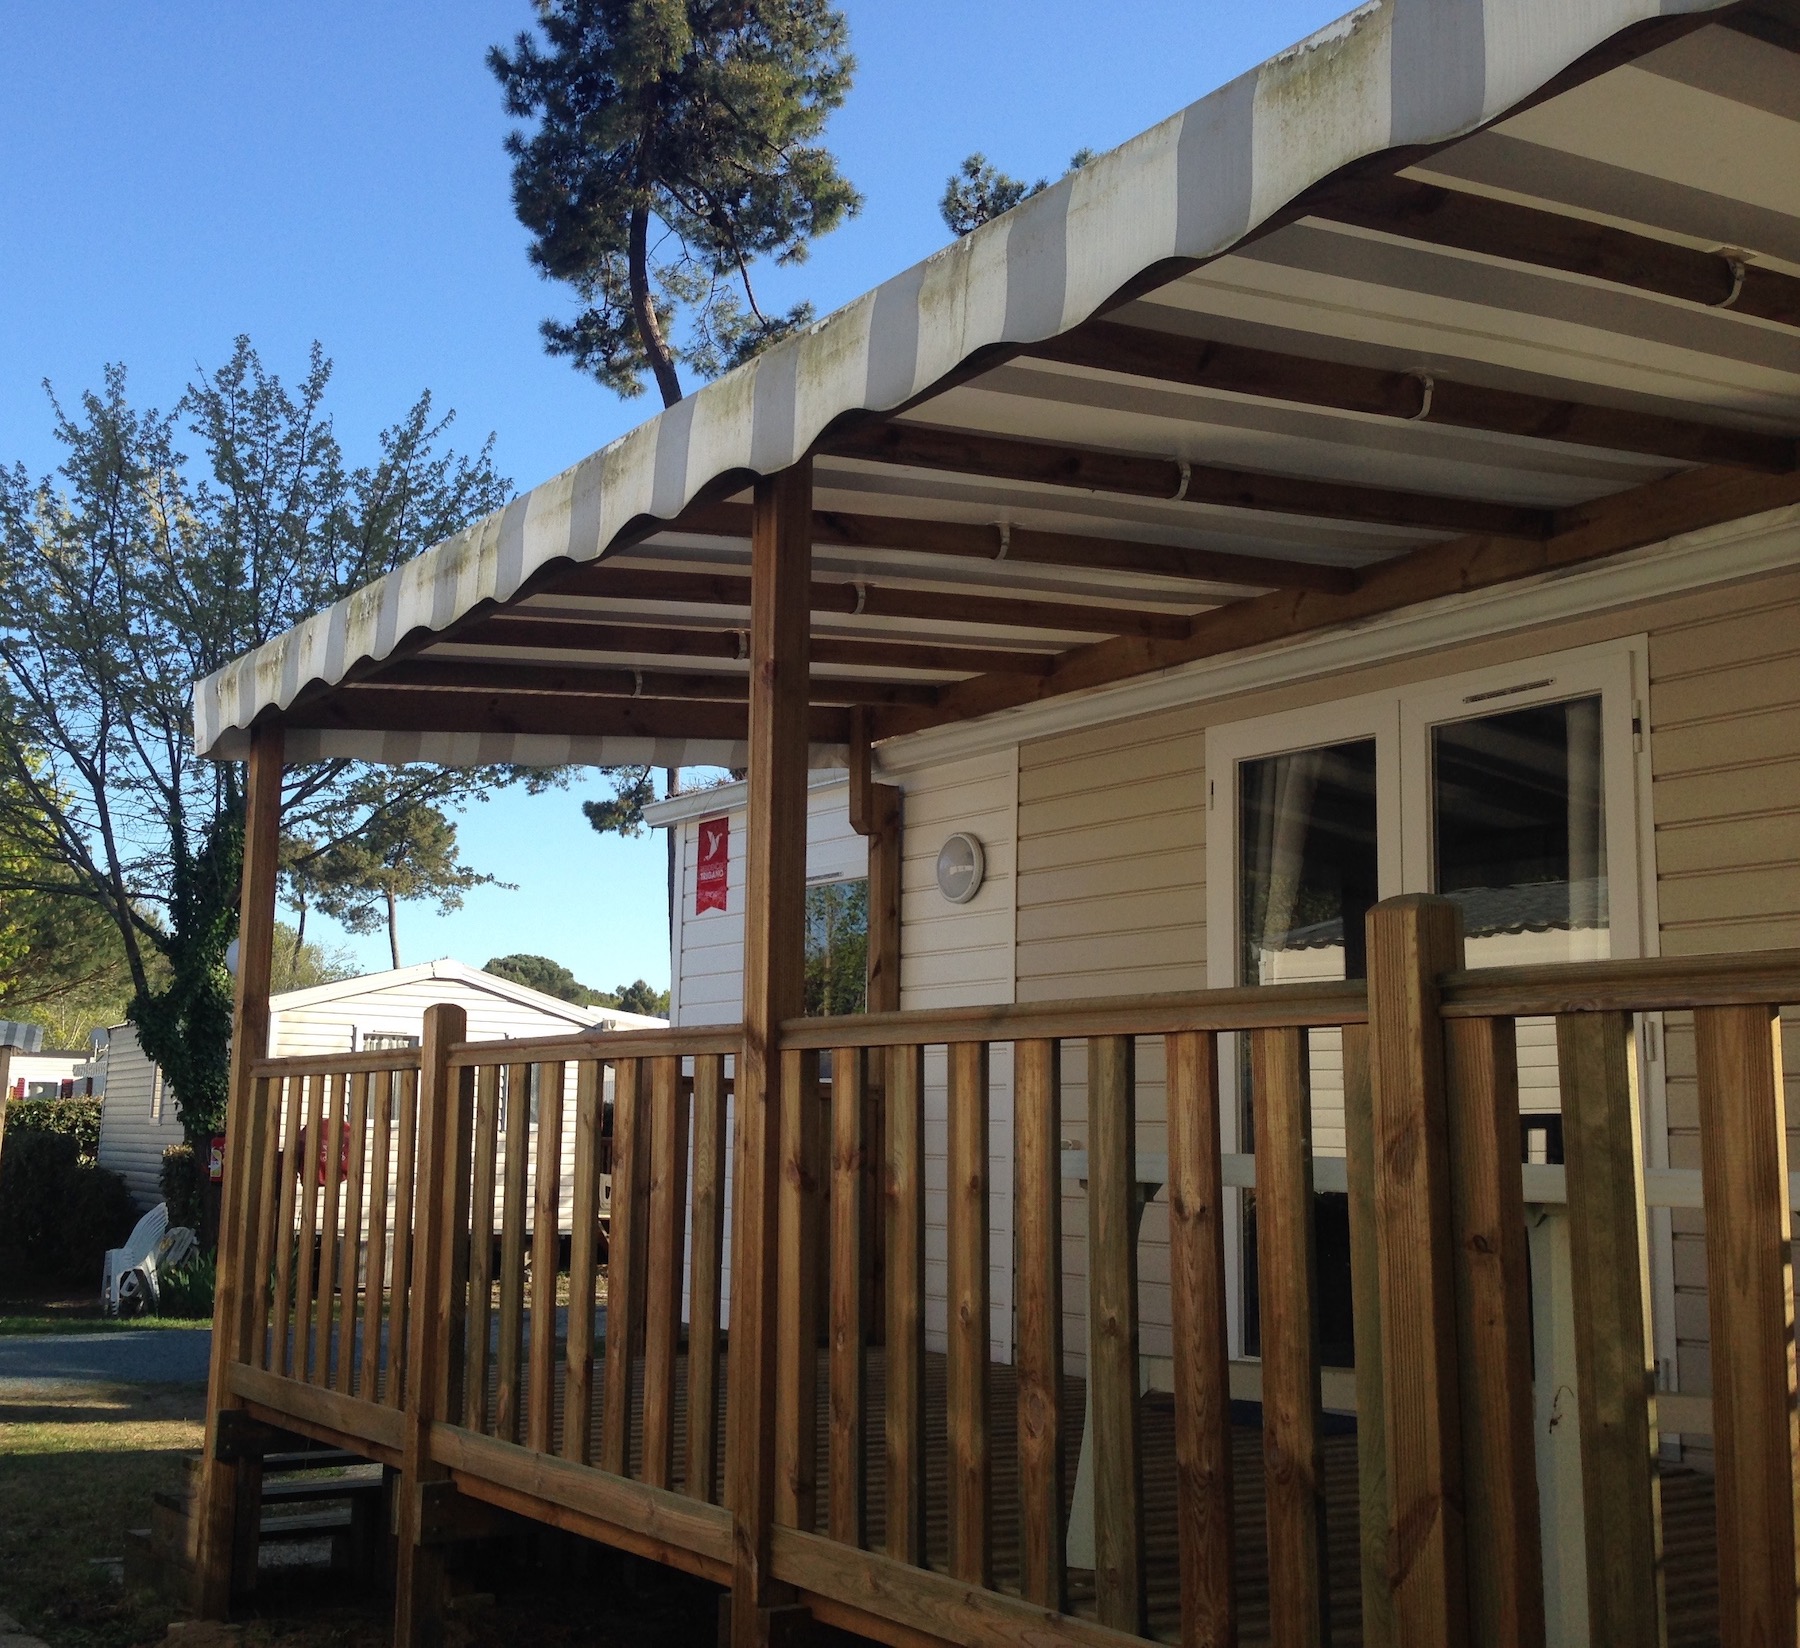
[605, 1412]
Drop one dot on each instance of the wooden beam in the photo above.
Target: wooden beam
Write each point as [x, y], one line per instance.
[1768, 23]
[1628, 520]
[613, 681]
[1137, 475]
[864, 599]
[873, 652]
[1434, 215]
[1413, 396]
[774, 920]
[410, 709]
[980, 541]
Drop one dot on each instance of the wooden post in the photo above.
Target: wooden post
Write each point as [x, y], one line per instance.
[578, 1384]
[624, 1303]
[904, 1192]
[234, 1307]
[968, 1469]
[702, 1480]
[440, 1216]
[1412, 942]
[848, 1177]
[1615, 1370]
[797, 1315]
[512, 1253]
[662, 1291]
[1037, 1212]
[546, 1250]
[774, 938]
[1750, 1289]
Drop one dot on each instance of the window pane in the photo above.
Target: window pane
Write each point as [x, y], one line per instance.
[837, 948]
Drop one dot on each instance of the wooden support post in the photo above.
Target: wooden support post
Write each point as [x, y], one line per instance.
[546, 1251]
[234, 1311]
[584, 1242]
[1373, 1510]
[1412, 942]
[1287, 1296]
[968, 1468]
[707, 1271]
[1750, 1285]
[848, 1176]
[1113, 1311]
[1203, 1475]
[1493, 1316]
[797, 1313]
[774, 941]
[1615, 1369]
[662, 1294]
[904, 1189]
[1037, 1214]
[441, 1215]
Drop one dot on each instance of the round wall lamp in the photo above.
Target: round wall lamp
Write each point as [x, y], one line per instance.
[960, 867]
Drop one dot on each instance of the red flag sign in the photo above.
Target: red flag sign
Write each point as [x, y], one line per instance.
[715, 858]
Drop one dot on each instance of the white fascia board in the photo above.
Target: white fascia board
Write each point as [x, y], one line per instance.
[727, 798]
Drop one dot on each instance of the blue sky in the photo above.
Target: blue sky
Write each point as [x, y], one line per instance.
[176, 174]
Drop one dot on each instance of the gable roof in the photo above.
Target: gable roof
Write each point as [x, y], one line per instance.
[368, 984]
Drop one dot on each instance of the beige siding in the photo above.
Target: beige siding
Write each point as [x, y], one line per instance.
[133, 1134]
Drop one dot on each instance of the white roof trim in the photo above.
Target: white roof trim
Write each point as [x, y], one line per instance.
[727, 798]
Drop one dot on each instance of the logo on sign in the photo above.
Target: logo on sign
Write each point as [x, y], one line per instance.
[715, 859]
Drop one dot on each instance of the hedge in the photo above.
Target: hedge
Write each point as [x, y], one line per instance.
[78, 1119]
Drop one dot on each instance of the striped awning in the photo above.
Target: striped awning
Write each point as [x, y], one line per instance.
[1450, 272]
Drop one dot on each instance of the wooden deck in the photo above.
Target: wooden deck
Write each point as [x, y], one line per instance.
[1690, 1568]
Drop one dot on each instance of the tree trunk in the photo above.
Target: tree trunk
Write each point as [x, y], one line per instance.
[300, 932]
[643, 310]
[393, 930]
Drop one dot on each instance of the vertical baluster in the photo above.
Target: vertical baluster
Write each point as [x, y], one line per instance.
[512, 1250]
[261, 1216]
[481, 1247]
[1203, 1475]
[546, 1251]
[1750, 1295]
[623, 1304]
[281, 1352]
[381, 1124]
[406, 1178]
[905, 1189]
[578, 1385]
[969, 1465]
[845, 1467]
[1113, 1312]
[1614, 1366]
[1037, 1215]
[1487, 1213]
[306, 1281]
[707, 1270]
[1293, 1462]
[662, 1297]
[797, 1296]
[350, 1248]
[336, 1095]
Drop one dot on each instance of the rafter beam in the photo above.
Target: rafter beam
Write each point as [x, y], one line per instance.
[1135, 351]
[843, 529]
[1132, 474]
[604, 580]
[611, 681]
[567, 635]
[1434, 215]
[1687, 502]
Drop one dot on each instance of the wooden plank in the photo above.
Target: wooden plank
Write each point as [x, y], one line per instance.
[481, 1246]
[684, 1042]
[337, 1093]
[1287, 1296]
[1201, 1345]
[706, 1272]
[306, 1287]
[512, 1251]
[584, 1211]
[904, 1190]
[351, 1248]
[797, 1298]
[774, 959]
[662, 1298]
[377, 1314]
[1615, 1373]
[1412, 942]
[1647, 985]
[349, 1417]
[337, 1064]
[1374, 1513]
[624, 1306]
[1037, 1238]
[546, 1255]
[1119, 1587]
[406, 1182]
[287, 1246]
[266, 1215]
[848, 1489]
[1493, 1312]
[968, 1465]
[1750, 1300]
[578, 678]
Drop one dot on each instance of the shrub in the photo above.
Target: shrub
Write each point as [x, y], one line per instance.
[181, 1187]
[78, 1119]
[58, 1214]
[188, 1290]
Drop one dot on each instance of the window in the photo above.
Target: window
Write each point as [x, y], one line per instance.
[837, 948]
[376, 1041]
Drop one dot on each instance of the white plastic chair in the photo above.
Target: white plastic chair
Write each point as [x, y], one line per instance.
[129, 1261]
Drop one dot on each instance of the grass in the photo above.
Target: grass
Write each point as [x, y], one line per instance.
[57, 1313]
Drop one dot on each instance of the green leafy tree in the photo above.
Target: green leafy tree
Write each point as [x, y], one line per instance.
[977, 191]
[837, 947]
[637, 997]
[300, 965]
[674, 143]
[133, 571]
[541, 973]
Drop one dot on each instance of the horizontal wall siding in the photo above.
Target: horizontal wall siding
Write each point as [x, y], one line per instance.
[132, 1136]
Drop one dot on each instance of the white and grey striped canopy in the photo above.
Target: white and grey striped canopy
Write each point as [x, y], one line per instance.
[1693, 142]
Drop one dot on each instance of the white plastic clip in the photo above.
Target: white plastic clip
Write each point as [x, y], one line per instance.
[1736, 265]
[862, 598]
[1187, 474]
[1005, 530]
[1428, 387]
[637, 683]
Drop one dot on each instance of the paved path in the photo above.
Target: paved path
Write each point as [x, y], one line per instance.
[12, 1637]
[148, 1356]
